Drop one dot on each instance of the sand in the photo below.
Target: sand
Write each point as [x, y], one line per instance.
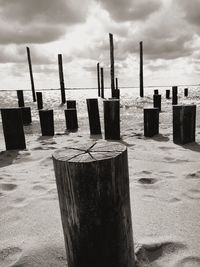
[164, 185]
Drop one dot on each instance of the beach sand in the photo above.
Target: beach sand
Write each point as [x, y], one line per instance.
[164, 185]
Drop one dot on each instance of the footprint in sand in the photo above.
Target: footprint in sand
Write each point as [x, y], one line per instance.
[192, 194]
[9, 255]
[19, 202]
[7, 187]
[190, 261]
[174, 160]
[158, 254]
[194, 175]
[147, 180]
[39, 188]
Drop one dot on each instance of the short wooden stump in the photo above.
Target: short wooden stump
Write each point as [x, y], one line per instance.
[151, 122]
[184, 124]
[167, 94]
[71, 104]
[46, 122]
[93, 188]
[111, 109]
[116, 94]
[157, 102]
[13, 128]
[71, 119]
[93, 115]
[26, 115]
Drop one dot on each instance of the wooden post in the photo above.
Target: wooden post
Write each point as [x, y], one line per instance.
[93, 115]
[184, 124]
[13, 128]
[71, 119]
[20, 97]
[26, 115]
[157, 102]
[168, 94]
[102, 83]
[186, 92]
[31, 73]
[141, 71]
[116, 94]
[61, 77]
[98, 80]
[156, 92]
[46, 122]
[111, 119]
[94, 196]
[39, 100]
[151, 121]
[174, 95]
[116, 81]
[112, 64]
[71, 104]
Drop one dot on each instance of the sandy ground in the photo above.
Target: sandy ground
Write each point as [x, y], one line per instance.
[165, 195]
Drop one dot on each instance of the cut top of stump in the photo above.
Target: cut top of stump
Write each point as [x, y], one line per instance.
[90, 151]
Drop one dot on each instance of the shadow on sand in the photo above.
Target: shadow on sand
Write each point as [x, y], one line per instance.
[160, 138]
[7, 157]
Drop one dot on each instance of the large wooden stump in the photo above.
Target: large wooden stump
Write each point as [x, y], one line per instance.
[156, 92]
[93, 115]
[111, 119]
[93, 189]
[39, 100]
[71, 119]
[71, 104]
[13, 128]
[46, 122]
[174, 95]
[20, 97]
[184, 124]
[26, 115]
[167, 94]
[151, 121]
[186, 92]
[157, 102]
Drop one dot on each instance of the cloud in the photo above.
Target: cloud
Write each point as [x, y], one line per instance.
[39, 55]
[39, 21]
[130, 10]
[190, 10]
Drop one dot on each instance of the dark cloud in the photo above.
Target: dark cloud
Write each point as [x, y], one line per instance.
[18, 54]
[171, 39]
[130, 10]
[38, 21]
[191, 9]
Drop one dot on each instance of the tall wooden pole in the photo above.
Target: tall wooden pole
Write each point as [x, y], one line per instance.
[116, 83]
[102, 83]
[62, 84]
[112, 68]
[98, 80]
[31, 73]
[141, 70]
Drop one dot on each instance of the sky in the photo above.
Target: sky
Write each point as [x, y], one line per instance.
[79, 30]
